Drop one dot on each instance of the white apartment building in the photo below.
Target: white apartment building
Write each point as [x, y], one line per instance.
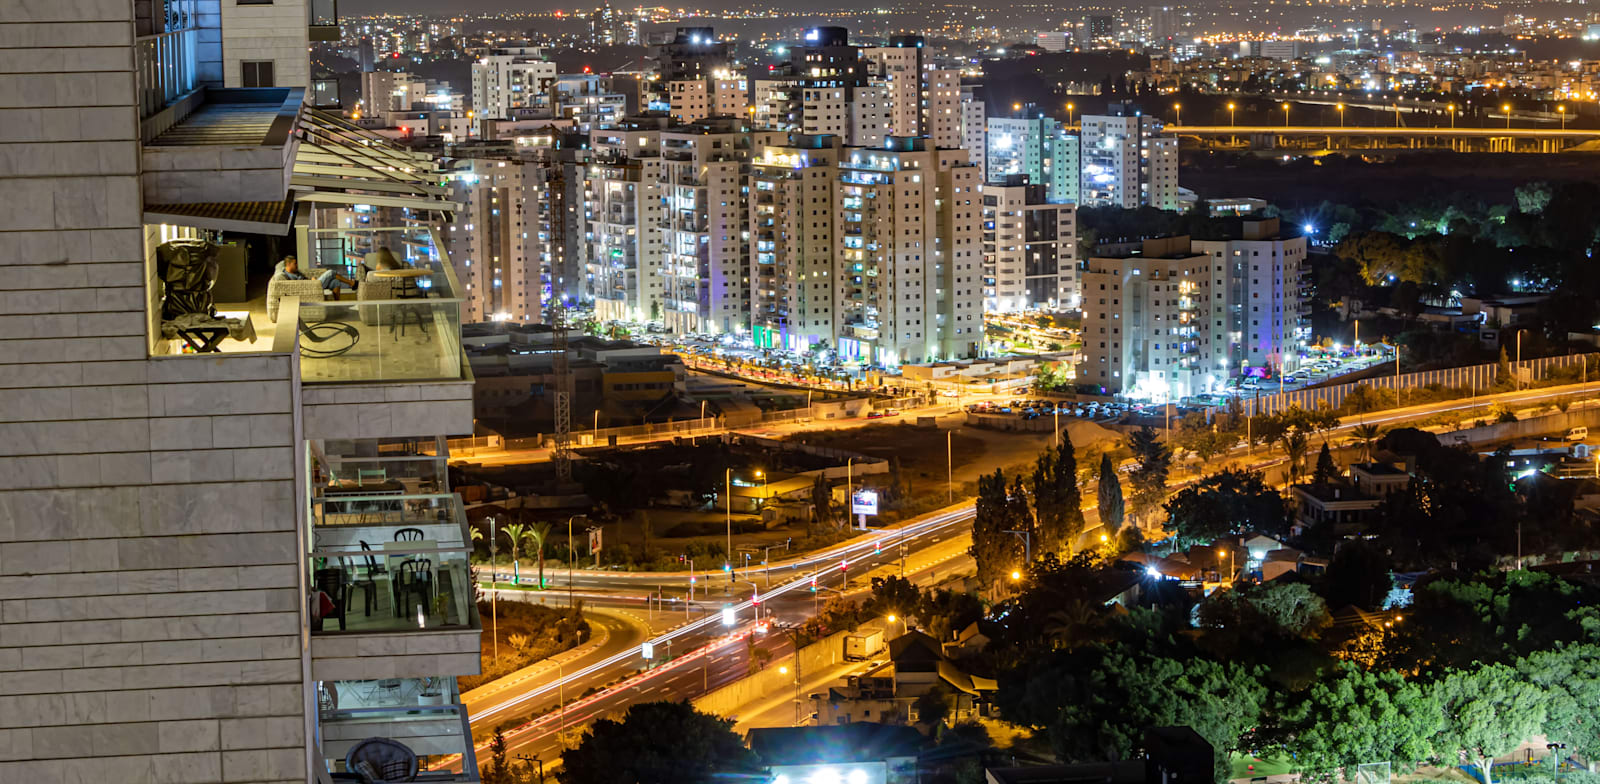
[1030, 247]
[871, 116]
[1258, 314]
[1125, 162]
[1144, 332]
[793, 201]
[500, 242]
[1178, 317]
[974, 127]
[624, 247]
[899, 68]
[1037, 147]
[704, 231]
[943, 112]
[513, 79]
[873, 251]
[909, 224]
[192, 451]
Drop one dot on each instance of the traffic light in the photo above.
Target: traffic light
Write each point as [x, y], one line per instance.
[727, 568]
[843, 565]
[877, 549]
[813, 585]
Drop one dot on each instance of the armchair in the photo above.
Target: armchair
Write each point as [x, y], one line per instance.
[308, 291]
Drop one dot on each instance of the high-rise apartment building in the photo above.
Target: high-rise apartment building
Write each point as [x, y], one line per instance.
[1030, 248]
[1144, 331]
[910, 219]
[623, 209]
[1126, 162]
[511, 79]
[509, 242]
[1037, 147]
[794, 243]
[1176, 317]
[1258, 312]
[974, 127]
[874, 250]
[705, 245]
[195, 453]
[899, 68]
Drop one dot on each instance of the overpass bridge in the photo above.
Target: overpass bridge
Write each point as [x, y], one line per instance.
[1322, 137]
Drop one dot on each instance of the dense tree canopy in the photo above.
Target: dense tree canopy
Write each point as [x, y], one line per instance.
[1227, 502]
[657, 743]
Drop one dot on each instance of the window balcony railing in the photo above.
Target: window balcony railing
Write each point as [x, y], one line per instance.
[167, 68]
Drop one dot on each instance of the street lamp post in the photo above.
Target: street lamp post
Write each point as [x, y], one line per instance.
[1452, 108]
[1178, 107]
[727, 488]
[1231, 107]
[1286, 114]
[1562, 110]
[949, 469]
[1340, 107]
[1505, 109]
[572, 555]
[1518, 374]
[494, 610]
[1070, 108]
[1027, 544]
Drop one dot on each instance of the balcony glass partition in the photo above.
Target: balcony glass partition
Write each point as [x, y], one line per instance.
[389, 561]
[168, 68]
[324, 13]
[410, 339]
[416, 474]
[439, 735]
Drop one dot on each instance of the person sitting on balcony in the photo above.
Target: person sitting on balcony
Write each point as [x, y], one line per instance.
[289, 269]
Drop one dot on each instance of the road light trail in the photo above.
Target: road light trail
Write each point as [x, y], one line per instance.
[844, 555]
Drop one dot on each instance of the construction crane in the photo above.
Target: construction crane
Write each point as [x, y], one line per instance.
[562, 454]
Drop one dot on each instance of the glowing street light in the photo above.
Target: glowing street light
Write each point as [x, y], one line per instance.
[1340, 107]
[1562, 110]
[1231, 107]
[1178, 107]
[1070, 108]
[1505, 109]
[1452, 108]
[1016, 575]
[1286, 114]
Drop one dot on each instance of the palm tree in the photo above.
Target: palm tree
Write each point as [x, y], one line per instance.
[537, 534]
[1294, 445]
[515, 532]
[1367, 433]
[1078, 623]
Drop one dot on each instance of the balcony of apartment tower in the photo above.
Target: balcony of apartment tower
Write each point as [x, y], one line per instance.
[333, 258]
[393, 612]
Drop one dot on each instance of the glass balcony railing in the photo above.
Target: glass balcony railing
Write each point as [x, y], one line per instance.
[403, 323]
[385, 562]
[415, 474]
[439, 735]
[324, 13]
[167, 67]
[380, 340]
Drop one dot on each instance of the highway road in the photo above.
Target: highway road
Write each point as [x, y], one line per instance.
[710, 653]
[1368, 130]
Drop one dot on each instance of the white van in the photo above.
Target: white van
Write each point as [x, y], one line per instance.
[1578, 434]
